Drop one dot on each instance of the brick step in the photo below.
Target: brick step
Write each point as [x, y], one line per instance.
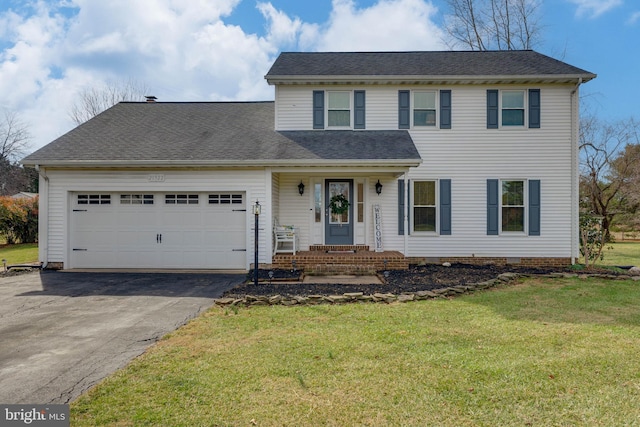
[362, 262]
[339, 248]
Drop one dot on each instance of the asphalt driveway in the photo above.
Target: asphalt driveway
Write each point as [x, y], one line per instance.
[62, 332]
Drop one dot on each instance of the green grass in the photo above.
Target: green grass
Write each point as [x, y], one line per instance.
[623, 253]
[19, 254]
[542, 353]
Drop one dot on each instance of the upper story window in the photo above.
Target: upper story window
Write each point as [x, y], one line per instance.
[513, 108]
[339, 109]
[424, 108]
[421, 108]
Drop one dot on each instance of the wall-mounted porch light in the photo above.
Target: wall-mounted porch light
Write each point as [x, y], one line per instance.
[301, 188]
[378, 188]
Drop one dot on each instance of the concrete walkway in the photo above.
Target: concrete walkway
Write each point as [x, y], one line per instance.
[62, 332]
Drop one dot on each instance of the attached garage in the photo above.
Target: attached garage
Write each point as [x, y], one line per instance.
[158, 230]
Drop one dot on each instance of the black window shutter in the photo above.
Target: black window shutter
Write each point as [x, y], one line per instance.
[493, 204]
[445, 207]
[492, 109]
[534, 108]
[318, 109]
[404, 107]
[445, 109]
[401, 207]
[534, 207]
[358, 109]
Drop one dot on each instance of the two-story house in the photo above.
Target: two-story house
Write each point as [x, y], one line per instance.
[435, 156]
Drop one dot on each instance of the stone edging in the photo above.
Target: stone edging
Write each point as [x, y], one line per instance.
[252, 300]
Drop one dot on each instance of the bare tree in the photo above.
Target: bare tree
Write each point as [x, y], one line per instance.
[605, 169]
[493, 24]
[14, 137]
[626, 168]
[14, 144]
[93, 101]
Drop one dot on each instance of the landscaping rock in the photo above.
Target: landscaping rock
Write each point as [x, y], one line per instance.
[634, 271]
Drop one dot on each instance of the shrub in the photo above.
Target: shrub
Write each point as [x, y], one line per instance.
[19, 220]
[592, 238]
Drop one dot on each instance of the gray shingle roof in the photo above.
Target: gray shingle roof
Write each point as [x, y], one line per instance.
[437, 63]
[217, 133]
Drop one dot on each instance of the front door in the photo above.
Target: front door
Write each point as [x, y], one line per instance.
[338, 227]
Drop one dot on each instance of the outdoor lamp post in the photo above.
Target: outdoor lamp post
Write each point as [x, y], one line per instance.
[256, 212]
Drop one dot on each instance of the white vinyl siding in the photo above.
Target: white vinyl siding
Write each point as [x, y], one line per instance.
[469, 154]
[63, 184]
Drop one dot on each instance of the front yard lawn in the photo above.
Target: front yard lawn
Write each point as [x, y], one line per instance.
[540, 352]
[623, 253]
[19, 254]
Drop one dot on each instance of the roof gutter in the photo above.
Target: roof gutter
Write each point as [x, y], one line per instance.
[228, 163]
[315, 79]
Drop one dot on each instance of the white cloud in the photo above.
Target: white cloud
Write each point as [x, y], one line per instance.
[181, 50]
[387, 25]
[635, 17]
[594, 8]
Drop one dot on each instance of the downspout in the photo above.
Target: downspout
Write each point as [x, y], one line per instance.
[43, 217]
[575, 157]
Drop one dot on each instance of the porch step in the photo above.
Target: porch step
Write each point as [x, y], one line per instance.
[341, 262]
[338, 248]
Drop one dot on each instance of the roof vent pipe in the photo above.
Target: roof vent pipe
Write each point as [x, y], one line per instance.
[151, 98]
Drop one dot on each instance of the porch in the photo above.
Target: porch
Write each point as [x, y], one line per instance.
[341, 259]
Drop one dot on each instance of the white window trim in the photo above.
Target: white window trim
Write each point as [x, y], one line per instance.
[525, 189]
[525, 100]
[437, 108]
[326, 110]
[412, 215]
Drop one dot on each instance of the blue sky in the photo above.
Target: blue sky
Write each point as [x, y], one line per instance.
[201, 50]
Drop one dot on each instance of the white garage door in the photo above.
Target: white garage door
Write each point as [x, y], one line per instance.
[158, 230]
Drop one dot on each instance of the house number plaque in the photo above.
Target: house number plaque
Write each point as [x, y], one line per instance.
[156, 177]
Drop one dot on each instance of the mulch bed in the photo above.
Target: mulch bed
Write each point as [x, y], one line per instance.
[417, 278]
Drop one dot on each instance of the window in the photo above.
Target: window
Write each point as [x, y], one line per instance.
[424, 108]
[136, 199]
[317, 197]
[94, 199]
[360, 212]
[513, 206]
[225, 199]
[181, 199]
[424, 206]
[339, 109]
[513, 108]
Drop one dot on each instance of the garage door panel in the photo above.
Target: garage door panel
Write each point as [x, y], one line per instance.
[207, 232]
